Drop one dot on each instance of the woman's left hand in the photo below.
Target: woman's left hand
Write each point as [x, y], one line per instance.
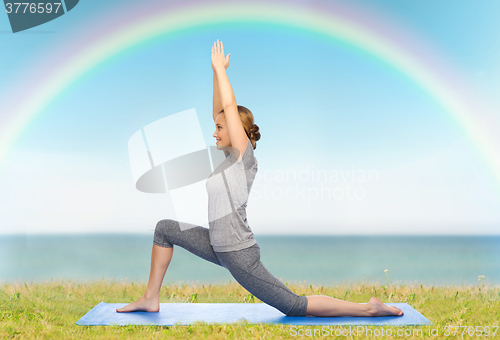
[218, 60]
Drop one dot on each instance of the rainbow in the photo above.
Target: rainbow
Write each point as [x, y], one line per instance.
[142, 26]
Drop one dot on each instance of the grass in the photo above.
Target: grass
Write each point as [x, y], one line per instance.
[49, 310]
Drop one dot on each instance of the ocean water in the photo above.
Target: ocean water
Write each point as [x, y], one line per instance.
[319, 260]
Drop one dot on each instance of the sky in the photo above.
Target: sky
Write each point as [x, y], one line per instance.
[393, 160]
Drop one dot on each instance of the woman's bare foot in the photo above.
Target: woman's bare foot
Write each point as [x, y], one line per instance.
[141, 305]
[377, 308]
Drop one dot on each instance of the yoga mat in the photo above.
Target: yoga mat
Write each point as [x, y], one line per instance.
[170, 314]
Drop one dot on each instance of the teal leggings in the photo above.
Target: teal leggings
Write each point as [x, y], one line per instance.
[244, 265]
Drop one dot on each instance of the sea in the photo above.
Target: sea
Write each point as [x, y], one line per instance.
[305, 259]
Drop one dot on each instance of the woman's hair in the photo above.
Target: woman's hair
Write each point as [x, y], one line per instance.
[251, 129]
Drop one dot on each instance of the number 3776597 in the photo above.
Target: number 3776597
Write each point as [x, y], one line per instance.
[26, 7]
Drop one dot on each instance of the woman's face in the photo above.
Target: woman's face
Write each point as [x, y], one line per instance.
[221, 134]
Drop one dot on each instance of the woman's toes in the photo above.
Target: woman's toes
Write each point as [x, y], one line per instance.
[124, 309]
[377, 308]
[141, 305]
[397, 310]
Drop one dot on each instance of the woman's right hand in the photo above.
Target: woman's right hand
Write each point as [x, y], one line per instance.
[219, 47]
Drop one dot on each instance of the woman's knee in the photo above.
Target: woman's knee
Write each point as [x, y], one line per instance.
[163, 229]
[299, 307]
[164, 226]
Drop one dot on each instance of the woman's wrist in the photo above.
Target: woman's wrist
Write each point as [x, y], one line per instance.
[219, 69]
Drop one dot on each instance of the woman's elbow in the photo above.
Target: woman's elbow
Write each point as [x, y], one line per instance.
[229, 103]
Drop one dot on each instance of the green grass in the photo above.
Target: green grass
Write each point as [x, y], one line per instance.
[49, 310]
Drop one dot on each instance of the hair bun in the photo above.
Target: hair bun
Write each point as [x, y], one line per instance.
[254, 132]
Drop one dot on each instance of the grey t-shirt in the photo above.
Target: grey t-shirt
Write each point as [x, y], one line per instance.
[228, 188]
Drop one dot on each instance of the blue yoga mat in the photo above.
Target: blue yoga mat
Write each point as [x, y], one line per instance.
[170, 314]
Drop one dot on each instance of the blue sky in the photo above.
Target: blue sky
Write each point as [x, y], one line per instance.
[320, 105]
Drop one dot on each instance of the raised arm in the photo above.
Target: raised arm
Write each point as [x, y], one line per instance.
[237, 134]
[217, 103]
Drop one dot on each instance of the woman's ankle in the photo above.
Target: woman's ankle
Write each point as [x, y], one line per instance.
[151, 297]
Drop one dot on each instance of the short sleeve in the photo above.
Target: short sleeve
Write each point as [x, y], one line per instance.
[248, 158]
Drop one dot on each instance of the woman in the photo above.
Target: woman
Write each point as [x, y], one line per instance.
[229, 241]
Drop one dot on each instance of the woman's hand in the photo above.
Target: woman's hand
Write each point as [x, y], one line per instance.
[218, 60]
